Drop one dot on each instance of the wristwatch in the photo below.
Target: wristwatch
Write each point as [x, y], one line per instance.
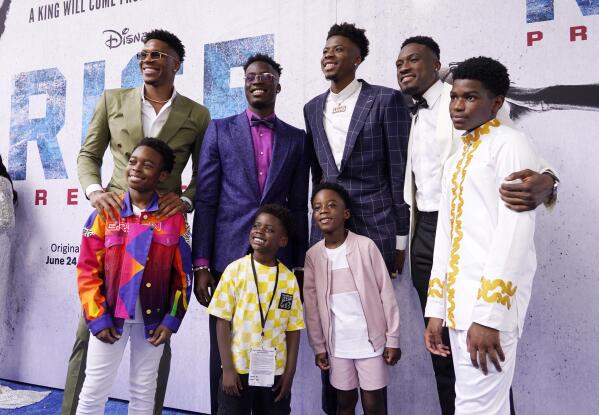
[187, 205]
[552, 199]
[201, 267]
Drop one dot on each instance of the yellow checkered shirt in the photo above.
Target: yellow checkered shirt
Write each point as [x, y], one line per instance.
[235, 300]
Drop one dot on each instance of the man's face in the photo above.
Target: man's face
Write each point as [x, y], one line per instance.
[417, 69]
[157, 72]
[267, 234]
[145, 169]
[472, 104]
[340, 58]
[261, 85]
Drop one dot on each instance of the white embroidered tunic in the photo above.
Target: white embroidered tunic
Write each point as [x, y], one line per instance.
[484, 260]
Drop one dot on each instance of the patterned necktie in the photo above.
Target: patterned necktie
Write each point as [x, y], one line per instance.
[256, 122]
[421, 103]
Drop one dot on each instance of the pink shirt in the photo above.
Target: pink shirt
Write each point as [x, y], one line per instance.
[262, 138]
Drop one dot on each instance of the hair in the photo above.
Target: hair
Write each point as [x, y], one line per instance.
[167, 37]
[168, 156]
[425, 41]
[491, 73]
[4, 173]
[337, 188]
[282, 214]
[261, 57]
[350, 31]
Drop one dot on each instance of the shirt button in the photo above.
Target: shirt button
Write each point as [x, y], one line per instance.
[148, 284]
[262, 153]
[151, 331]
[261, 134]
[260, 173]
[148, 311]
[145, 216]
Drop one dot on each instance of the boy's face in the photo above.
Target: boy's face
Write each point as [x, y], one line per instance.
[145, 169]
[329, 211]
[472, 104]
[267, 234]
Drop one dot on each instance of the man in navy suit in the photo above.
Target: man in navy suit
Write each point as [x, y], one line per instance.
[246, 160]
[360, 137]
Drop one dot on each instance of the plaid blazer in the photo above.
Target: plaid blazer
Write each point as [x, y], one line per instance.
[373, 164]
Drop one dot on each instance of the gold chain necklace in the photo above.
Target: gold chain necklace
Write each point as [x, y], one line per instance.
[155, 100]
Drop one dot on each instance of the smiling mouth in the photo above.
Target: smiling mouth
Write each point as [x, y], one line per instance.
[324, 221]
[258, 92]
[329, 65]
[257, 240]
[407, 78]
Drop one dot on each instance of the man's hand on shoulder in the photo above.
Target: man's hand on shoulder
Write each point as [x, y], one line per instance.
[106, 202]
[171, 203]
[528, 190]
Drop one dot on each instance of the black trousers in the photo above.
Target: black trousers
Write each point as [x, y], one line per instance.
[253, 400]
[421, 261]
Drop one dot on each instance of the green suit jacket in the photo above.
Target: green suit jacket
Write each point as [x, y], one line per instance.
[117, 122]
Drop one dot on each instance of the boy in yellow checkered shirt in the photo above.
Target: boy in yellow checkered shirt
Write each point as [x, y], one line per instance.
[259, 313]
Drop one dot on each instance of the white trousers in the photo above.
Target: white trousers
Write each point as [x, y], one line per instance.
[477, 394]
[103, 360]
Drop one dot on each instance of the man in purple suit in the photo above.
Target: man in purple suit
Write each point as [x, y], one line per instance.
[360, 137]
[246, 160]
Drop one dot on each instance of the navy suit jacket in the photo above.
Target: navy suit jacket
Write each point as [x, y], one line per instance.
[228, 194]
[373, 164]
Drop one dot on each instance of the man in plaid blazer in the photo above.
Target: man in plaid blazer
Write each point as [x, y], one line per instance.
[368, 156]
[359, 134]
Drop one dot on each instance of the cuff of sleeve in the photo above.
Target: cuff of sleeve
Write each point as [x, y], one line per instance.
[434, 309]
[171, 322]
[401, 242]
[201, 262]
[319, 348]
[99, 324]
[93, 188]
[393, 342]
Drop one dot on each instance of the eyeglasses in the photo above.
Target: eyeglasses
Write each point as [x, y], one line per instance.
[259, 77]
[154, 55]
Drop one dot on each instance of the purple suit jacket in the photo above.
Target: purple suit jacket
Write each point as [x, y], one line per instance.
[373, 164]
[228, 196]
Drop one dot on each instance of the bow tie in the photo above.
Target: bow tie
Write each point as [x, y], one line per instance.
[421, 103]
[256, 122]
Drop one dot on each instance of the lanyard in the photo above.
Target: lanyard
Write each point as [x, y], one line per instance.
[263, 317]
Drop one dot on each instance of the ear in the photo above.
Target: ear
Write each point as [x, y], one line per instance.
[283, 241]
[163, 176]
[358, 60]
[278, 88]
[497, 103]
[346, 214]
[437, 66]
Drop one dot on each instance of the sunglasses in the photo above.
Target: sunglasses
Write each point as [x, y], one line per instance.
[154, 55]
[259, 77]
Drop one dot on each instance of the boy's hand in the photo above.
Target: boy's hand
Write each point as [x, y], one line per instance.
[169, 204]
[530, 191]
[391, 355]
[322, 361]
[105, 202]
[484, 341]
[108, 335]
[400, 259]
[432, 338]
[283, 385]
[203, 280]
[161, 335]
[231, 382]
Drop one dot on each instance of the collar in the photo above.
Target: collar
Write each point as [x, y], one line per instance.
[346, 92]
[473, 136]
[432, 94]
[249, 113]
[128, 207]
[144, 100]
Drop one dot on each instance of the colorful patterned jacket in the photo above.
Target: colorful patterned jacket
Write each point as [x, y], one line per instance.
[136, 255]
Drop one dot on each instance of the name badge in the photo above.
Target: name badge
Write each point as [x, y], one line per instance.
[262, 367]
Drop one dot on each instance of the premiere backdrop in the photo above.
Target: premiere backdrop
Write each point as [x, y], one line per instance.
[57, 57]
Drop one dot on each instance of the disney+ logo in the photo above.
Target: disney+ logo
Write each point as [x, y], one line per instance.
[116, 39]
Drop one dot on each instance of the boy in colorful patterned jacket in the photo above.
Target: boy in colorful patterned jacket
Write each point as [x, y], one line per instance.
[484, 260]
[134, 278]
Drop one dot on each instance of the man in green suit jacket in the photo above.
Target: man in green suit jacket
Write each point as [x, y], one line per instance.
[122, 118]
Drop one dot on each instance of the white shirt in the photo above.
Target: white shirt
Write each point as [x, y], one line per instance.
[336, 124]
[349, 329]
[151, 124]
[484, 260]
[427, 164]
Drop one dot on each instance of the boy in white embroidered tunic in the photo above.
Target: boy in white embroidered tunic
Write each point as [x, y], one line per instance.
[484, 260]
